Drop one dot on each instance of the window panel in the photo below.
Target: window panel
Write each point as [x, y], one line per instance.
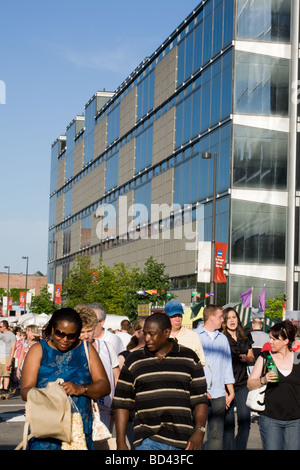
[258, 233]
[264, 21]
[260, 158]
[261, 85]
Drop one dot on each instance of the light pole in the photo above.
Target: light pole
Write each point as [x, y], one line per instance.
[53, 242]
[25, 257]
[208, 156]
[8, 273]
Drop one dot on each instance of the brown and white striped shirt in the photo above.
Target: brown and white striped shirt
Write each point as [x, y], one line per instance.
[162, 393]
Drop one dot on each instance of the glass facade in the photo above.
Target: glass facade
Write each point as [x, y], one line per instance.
[214, 97]
[206, 101]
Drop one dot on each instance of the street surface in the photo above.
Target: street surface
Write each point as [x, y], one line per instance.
[12, 423]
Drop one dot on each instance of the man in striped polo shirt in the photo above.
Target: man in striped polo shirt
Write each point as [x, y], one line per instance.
[164, 384]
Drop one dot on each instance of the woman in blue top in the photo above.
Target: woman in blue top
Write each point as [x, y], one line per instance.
[62, 356]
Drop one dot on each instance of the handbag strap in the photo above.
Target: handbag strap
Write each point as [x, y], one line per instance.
[87, 353]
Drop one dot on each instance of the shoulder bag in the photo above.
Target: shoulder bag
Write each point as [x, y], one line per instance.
[256, 398]
[100, 431]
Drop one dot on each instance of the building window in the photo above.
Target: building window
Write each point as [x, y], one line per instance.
[67, 241]
[112, 172]
[90, 112]
[261, 85]
[145, 101]
[264, 21]
[143, 154]
[193, 179]
[208, 103]
[113, 125]
[213, 31]
[258, 233]
[68, 203]
[86, 231]
[260, 158]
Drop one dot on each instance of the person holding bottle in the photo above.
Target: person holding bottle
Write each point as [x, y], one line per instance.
[279, 423]
[242, 356]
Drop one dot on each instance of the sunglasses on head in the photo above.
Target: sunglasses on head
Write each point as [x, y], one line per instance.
[61, 334]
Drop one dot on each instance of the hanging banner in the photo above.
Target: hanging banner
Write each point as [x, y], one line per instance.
[220, 256]
[57, 297]
[204, 261]
[22, 299]
[10, 303]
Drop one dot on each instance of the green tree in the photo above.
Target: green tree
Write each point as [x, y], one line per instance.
[76, 286]
[115, 287]
[43, 302]
[274, 310]
[152, 278]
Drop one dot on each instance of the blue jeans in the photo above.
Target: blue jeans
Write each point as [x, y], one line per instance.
[215, 424]
[238, 442]
[279, 435]
[149, 444]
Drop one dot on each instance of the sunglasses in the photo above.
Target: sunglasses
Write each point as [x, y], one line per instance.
[61, 334]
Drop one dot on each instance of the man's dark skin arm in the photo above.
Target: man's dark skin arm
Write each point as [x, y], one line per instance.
[196, 440]
[121, 420]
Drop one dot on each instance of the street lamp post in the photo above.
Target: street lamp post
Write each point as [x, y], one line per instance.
[208, 156]
[8, 273]
[25, 257]
[53, 242]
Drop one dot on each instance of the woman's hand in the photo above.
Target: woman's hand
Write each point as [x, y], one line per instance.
[73, 389]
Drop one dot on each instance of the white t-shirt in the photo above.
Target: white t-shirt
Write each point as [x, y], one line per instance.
[110, 361]
[125, 337]
[114, 340]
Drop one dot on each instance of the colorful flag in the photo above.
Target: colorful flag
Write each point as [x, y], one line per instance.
[209, 294]
[283, 309]
[141, 292]
[262, 299]
[247, 298]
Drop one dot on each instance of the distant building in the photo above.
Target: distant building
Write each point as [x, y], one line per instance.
[224, 82]
[17, 281]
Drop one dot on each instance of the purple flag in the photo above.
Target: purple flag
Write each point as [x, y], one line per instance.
[247, 298]
[262, 299]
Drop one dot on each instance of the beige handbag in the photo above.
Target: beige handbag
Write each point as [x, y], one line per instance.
[100, 431]
[48, 414]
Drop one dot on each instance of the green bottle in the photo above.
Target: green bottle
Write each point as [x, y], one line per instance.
[272, 367]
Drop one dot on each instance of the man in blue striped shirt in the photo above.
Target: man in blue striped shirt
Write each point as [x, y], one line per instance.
[218, 372]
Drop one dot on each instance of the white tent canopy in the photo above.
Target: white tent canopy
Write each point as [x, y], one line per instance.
[33, 319]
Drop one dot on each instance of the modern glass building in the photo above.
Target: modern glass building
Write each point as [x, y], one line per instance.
[128, 178]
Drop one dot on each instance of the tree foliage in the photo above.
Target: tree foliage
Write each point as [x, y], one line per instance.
[275, 309]
[115, 287]
[43, 302]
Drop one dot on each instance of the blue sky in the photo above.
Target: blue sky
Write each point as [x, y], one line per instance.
[54, 56]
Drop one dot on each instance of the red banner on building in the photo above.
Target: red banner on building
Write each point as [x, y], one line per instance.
[22, 299]
[57, 297]
[220, 256]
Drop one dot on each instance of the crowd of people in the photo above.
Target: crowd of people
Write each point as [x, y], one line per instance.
[158, 384]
